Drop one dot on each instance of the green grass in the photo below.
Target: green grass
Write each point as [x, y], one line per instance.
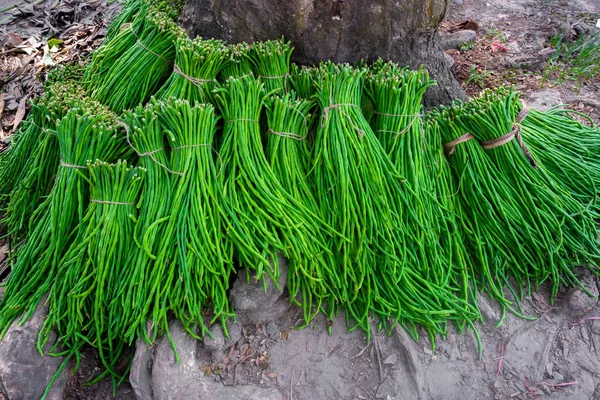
[577, 61]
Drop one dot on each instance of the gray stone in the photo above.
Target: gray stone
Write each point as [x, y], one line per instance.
[455, 39]
[173, 381]
[140, 375]
[544, 99]
[449, 59]
[273, 330]
[24, 373]
[578, 300]
[235, 332]
[458, 2]
[250, 297]
[564, 31]
[388, 388]
[216, 344]
[391, 359]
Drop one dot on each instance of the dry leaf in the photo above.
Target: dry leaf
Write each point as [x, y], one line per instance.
[47, 57]
[272, 375]
[20, 114]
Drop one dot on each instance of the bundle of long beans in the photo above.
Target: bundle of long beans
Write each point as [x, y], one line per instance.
[82, 136]
[238, 62]
[148, 141]
[305, 79]
[194, 262]
[83, 304]
[512, 238]
[492, 118]
[268, 219]
[35, 158]
[362, 195]
[289, 155]
[197, 64]
[569, 150]
[397, 94]
[132, 7]
[136, 63]
[271, 63]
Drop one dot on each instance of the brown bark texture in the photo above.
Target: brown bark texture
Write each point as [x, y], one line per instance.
[405, 31]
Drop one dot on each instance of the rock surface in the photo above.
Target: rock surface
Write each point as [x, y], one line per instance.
[250, 300]
[155, 373]
[455, 39]
[544, 99]
[24, 373]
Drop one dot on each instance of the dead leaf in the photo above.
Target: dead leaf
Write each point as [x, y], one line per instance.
[47, 57]
[272, 375]
[1, 104]
[13, 40]
[20, 114]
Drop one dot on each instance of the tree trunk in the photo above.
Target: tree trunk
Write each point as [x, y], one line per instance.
[404, 31]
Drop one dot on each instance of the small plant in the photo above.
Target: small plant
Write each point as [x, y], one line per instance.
[467, 45]
[478, 78]
[495, 33]
[575, 61]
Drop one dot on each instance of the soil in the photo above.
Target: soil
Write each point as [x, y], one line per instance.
[555, 356]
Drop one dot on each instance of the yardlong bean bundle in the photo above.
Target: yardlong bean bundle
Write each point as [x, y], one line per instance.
[271, 63]
[266, 218]
[81, 137]
[83, 301]
[132, 7]
[362, 195]
[491, 117]
[147, 138]
[37, 156]
[197, 64]
[289, 157]
[569, 151]
[194, 262]
[238, 64]
[397, 95]
[305, 79]
[142, 60]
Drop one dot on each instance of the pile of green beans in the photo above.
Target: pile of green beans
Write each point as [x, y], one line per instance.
[197, 64]
[34, 159]
[136, 63]
[84, 304]
[194, 263]
[517, 239]
[397, 95]
[271, 64]
[569, 150]
[130, 10]
[238, 62]
[81, 136]
[154, 208]
[492, 115]
[363, 196]
[305, 79]
[267, 219]
[288, 152]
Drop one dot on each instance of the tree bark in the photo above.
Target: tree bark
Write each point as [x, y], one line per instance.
[405, 31]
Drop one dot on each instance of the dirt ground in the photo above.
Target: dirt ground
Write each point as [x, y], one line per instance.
[556, 356]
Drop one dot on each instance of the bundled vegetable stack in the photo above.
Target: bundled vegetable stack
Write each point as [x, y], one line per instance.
[570, 152]
[131, 67]
[224, 157]
[197, 64]
[82, 135]
[522, 224]
[362, 195]
[396, 97]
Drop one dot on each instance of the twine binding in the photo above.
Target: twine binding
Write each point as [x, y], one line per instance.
[137, 38]
[514, 134]
[451, 146]
[72, 166]
[333, 106]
